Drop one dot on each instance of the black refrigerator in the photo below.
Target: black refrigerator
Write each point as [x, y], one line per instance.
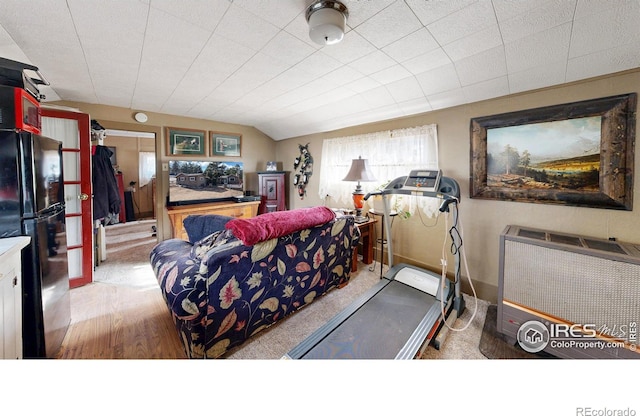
[32, 204]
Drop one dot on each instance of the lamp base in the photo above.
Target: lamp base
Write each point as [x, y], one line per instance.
[359, 219]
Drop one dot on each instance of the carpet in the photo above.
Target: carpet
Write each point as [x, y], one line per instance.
[495, 345]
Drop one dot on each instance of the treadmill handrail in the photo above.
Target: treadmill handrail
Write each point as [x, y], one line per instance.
[448, 192]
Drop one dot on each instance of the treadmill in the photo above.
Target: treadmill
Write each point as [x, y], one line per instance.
[400, 315]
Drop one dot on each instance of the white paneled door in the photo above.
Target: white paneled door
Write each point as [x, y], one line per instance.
[73, 130]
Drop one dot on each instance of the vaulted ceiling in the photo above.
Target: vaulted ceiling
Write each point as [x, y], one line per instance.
[251, 61]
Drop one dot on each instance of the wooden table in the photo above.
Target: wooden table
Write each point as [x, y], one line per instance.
[366, 239]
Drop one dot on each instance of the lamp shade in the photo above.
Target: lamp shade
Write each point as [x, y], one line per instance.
[327, 21]
[359, 171]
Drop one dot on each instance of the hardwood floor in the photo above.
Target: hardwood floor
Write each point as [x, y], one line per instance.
[122, 315]
[114, 321]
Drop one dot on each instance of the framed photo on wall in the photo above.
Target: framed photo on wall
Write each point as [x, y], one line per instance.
[225, 144]
[185, 141]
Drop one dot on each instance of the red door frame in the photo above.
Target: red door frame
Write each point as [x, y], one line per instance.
[86, 211]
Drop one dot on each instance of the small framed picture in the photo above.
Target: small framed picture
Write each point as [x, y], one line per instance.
[225, 144]
[185, 142]
[272, 165]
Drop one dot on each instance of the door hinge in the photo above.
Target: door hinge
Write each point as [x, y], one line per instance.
[15, 281]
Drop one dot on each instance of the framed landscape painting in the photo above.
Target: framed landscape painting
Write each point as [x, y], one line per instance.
[579, 154]
[185, 142]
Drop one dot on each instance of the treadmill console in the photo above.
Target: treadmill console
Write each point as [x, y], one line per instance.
[423, 180]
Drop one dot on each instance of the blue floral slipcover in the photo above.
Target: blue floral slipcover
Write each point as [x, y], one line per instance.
[221, 292]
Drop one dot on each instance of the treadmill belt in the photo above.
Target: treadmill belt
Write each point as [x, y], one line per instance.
[379, 328]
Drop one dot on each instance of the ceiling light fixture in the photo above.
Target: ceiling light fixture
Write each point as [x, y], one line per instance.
[327, 21]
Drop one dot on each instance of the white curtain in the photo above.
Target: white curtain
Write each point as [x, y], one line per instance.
[147, 167]
[390, 154]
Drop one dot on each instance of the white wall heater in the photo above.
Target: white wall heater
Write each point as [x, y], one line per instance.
[582, 289]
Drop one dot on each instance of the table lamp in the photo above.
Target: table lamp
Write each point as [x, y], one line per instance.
[359, 172]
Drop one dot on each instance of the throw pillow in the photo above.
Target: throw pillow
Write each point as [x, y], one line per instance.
[278, 223]
[200, 226]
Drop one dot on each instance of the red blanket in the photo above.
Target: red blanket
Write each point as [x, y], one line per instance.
[277, 224]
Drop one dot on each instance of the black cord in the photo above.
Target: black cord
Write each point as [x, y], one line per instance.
[456, 240]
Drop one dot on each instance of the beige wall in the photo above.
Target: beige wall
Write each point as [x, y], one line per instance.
[483, 220]
[256, 147]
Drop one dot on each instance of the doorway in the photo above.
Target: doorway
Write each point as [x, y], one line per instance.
[134, 229]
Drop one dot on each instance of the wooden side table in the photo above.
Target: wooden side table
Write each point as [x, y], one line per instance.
[366, 238]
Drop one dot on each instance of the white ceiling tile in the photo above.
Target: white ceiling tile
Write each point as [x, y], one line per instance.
[431, 11]
[411, 46]
[288, 48]
[476, 17]
[374, 62]
[292, 78]
[361, 11]
[165, 58]
[590, 7]
[405, 89]
[377, 97]
[246, 28]
[478, 42]
[540, 48]
[438, 80]
[391, 24]
[551, 73]
[481, 67]
[279, 13]
[305, 92]
[352, 47]
[533, 20]
[591, 35]
[609, 61]
[204, 14]
[318, 64]
[427, 61]
[342, 76]
[447, 99]
[487, 89]
[391, 74]
[415, 106]
[363, 84]
[207, 72]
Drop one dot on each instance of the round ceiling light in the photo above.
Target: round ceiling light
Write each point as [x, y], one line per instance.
[327, 21]
[141, 117]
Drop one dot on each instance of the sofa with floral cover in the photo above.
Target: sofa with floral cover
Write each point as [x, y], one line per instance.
[232, 283]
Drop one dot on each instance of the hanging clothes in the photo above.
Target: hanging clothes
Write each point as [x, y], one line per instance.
[106, 197]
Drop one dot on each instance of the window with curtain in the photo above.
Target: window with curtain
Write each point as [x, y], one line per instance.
[147, 167]
[390, 154]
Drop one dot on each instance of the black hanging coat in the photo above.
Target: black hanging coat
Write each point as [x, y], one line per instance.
[106, 196]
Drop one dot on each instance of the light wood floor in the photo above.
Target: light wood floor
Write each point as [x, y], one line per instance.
[111, 321]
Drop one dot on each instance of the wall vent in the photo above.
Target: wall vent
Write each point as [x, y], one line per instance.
[568, 279]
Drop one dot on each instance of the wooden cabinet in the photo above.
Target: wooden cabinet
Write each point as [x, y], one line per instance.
[272, 191]
[11, 296]
[177, 214]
